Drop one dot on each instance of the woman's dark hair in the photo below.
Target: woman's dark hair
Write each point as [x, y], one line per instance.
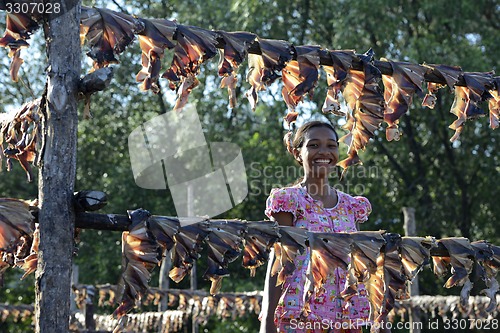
[296, 141]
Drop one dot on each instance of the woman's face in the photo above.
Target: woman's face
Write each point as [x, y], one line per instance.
[319, 152]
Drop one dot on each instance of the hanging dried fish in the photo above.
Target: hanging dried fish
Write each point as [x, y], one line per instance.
[19, 27]
[494, 104]
[376, 288]
[406, 80]
[108, 34]
[328, 252]
[262, 68]
[300, 76]
[194, 47]
[254, 77]
[366, 103]
[83, 294]
[236, 45]
[352, 88]
[275, 54]
[153, 297]
[292, 243]
[157, 35]
[415, 253]
[290, 118]
[29, 263]
[365, 250]
[230, 82]
[461, 257]
[258, 240]
[20, 133]
[430, 98]
[482, 253]
[140, 255]
[467, 99]
[460, 104]
[16, 230]
[164, 229]
[224, 244]
[19, 312]
[107, 294]
[491, 265]
[290, 76]
[186, 250]
[16, 221]
[478, 84]
[445, 306]
[448, 74]
[197, 303]
[396, 287]
[335, 76]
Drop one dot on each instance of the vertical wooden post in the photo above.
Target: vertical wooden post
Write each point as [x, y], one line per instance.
[74, 282]
[164, 280]
[88, 310]
[57, 172]
[194, 283]
[410, 230]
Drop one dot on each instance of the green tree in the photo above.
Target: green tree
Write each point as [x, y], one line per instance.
[449, 185]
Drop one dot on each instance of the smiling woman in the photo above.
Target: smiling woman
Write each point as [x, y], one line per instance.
[317, 206]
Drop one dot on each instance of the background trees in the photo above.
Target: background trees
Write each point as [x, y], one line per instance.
[452, 186]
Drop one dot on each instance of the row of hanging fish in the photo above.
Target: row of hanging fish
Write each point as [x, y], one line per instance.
[20, 312]
[151, 236]
[196, 303]
[353, 75]
[163, 322]
[445, 307]
[385, 262]
[448, 308]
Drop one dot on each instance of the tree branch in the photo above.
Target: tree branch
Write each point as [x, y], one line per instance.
[394, 162]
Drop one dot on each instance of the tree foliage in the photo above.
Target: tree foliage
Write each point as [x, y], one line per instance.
[451, 186]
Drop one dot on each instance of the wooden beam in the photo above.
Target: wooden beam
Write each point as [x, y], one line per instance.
[110, 222]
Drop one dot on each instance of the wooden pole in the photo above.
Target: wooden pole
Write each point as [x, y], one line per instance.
[74, 282]
[164, 280]
[88, 310]
[410, 230]
[59, 120]
[194, 282]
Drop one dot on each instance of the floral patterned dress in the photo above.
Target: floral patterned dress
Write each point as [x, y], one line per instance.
[327, 307]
